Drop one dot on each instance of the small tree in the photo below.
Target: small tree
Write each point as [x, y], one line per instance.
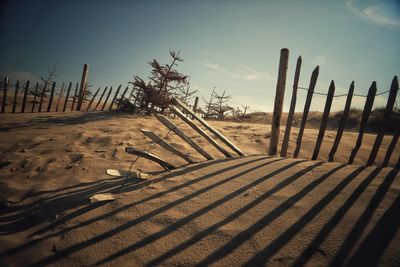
[46, 80]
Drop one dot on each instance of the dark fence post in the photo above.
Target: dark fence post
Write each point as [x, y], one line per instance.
[115, 96]
[67, 96]
[15, 96]
[60, 96]
[364, 119]
[42, 96]
[3, 105]
[391, 147]
[25, 96]
[75, 96]
[122, 96]
[105, 101]
[385, 121]
[82, 86]
[34, 97]
[101, 98]
[94, 96]
[278, 105]
[285, 142]
[310, 92]
[324, 120]
[342, 123]
[51, 97]
[196, 103]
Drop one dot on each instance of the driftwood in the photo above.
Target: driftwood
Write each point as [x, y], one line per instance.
[150, 156]
[157, 140]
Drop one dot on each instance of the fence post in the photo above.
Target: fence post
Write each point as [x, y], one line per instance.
[342, 123]
[51, 97]
[82, 85]
[122, 96]
[67, 96]
[34, 97]
[278, 105]
[196, 102]
[60, 96]
[289, 120]
[105, 101]
[324, 120]
[75, 96]
[15, 96]
[101, 98]
[42, 96]
[364, 119]
[3, 105]
[310, 92]
[25, 96]
[93, 98]
[391, 147]
[385, 121]
[115, 96]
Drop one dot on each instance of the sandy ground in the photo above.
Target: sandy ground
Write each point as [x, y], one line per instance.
[251, 210]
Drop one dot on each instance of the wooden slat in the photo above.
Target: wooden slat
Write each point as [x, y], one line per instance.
[60, 96]
[82, 87]
[150, 156]
[364, 119]
[42, 96]
[157, 140]
[105, 101]
[391, 147]
[342, 123]
[93, 98]
[101, 98]
[208, 127]
[310, 92]
[196, 103]
[285, 142]
[199, 130]
[385, 121]
[171, 126]
[51, 97]
[67, 96]
[278, 104]
[75, 96]
[25, 96]
[324, 120]
[115, 96]
[34, 97]
[15, 97]
[3, 104]
[122, 96]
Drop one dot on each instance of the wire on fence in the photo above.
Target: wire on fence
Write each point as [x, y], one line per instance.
[319, 93]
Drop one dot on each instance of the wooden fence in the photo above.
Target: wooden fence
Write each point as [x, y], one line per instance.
[372, 93]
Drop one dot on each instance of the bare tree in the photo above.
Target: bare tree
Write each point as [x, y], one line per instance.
[209, 104]
[220, 105]
[46, 80]
[185, 94]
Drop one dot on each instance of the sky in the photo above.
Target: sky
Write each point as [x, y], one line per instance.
[232, 45]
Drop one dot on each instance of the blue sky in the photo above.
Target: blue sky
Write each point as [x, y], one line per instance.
[232, 45]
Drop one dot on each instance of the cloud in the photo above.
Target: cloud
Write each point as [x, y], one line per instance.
[373, 14]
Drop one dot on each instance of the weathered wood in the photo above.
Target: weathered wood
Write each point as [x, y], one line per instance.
[278, 105]
[75, 96]
[157, 140]
[101, 98]
[364, 119]
[67, 96]
[196, 103]
[385, 121]
[285, 142]
[310, 92]
[25, 96]
[324, 121]
[83, 85]
[42, 96]
[391, 147]
[105, 101]
[34, 97]
[94, 96]
[208, 127]
[171, 126]
[150, 156]
[5, 87]
[15, 97]
[122, 96]
[199, 130]
[115, 96]
[342, 123]
[51, 97]
[60, 96]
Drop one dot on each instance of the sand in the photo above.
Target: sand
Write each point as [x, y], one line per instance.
[253, 210]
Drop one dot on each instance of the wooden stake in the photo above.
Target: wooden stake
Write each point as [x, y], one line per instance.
[108, 96]
[34, 97]
[75, 97]
[391, 147]
[285, 142]
[15, 96]
[278, 105]
[199, 130]
[101, 98]
[342, 123]
[364, 119]
[385, 121]
[3, 105]
[51, 97]
[196, 102]
[115, 96]
[25, 96]
[150, 156]
[94, 96]
[122, 96]
[310, 92]
[42, 96]
[324, 120]
[171, 126]
[157, 140]
[67, 96]
[82, 87]
[60, 96]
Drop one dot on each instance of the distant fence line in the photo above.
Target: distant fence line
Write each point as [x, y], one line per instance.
[278, 107]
